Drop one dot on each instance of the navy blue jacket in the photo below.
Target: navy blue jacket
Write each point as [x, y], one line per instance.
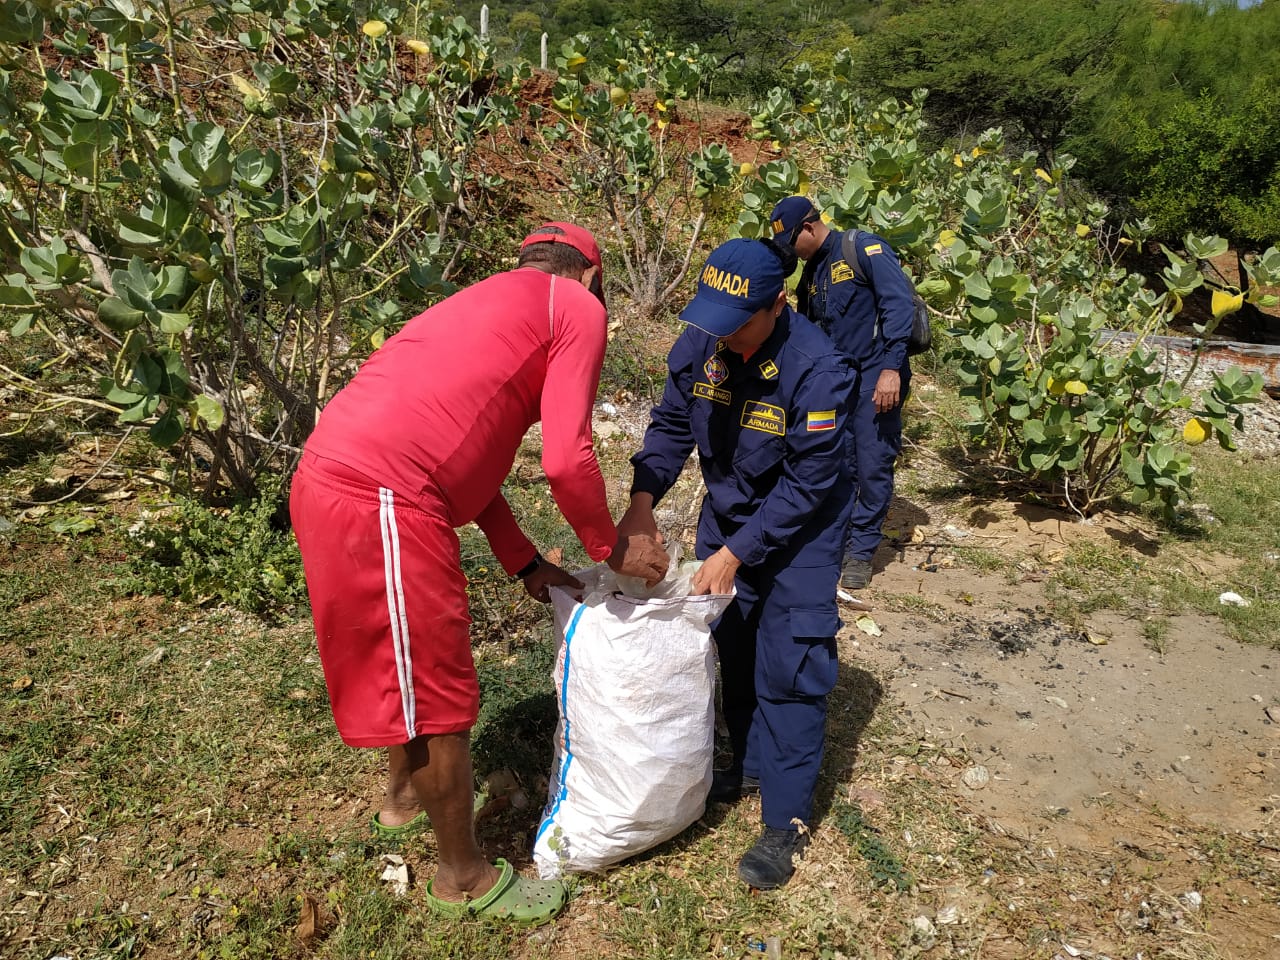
[770, 432]
[840, 299]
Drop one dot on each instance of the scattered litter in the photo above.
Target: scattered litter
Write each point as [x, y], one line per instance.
[948, 914]
[1191, 900]
[1072, 951]
[609, 409]
[1230, 599]
[22, 683]
[395, 873]
[152, 658]
[1097, 639]
[1057, 702]
[6, 525]
[975, 778]
[845, 597]
[954, 532]
[917, 535]
[868, 626]
[924, 932]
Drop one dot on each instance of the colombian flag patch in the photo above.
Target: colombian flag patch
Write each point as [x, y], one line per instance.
[822, 420]
[872, 249]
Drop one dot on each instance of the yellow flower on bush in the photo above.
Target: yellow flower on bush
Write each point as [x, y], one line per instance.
[418, 47]
[1056, 387]
[1195, 432]
[1077, 388]
[373, 29]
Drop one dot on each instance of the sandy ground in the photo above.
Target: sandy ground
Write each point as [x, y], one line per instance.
[1064, 726]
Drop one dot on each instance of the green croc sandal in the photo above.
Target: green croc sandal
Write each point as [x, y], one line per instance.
[512, 898]
[416, 825]
[408, 829]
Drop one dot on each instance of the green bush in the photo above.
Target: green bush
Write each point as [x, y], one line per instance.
[239, 555]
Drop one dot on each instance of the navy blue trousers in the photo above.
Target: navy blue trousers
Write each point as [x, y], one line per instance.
[877, 441]
[778, 662]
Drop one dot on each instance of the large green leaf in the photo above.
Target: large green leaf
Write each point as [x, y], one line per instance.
[20, 21]
[118, 315]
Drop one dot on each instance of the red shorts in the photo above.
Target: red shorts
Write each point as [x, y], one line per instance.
[389, 601]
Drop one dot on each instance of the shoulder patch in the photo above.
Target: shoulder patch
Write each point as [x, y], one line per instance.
[764, 417]
[872, 249]
[768, 370]
[821, 420]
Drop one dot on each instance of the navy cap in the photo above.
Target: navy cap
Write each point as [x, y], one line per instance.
[740, 277]
[788, 215]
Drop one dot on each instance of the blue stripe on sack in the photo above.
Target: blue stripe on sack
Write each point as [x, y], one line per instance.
[564, 712]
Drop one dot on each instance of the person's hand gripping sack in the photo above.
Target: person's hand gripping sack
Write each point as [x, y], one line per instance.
[639, 552]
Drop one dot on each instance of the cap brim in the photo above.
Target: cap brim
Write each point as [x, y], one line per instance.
[715, 318]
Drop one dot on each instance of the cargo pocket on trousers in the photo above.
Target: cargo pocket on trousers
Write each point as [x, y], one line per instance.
[814, 629]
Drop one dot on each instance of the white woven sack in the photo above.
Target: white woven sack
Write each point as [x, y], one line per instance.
[635, 683]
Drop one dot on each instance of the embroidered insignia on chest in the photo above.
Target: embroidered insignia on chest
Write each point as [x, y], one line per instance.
[872, 249]
[764, 417]
[716, 370]
[768, 369]
[821, 420]
[708, 392]
[841, 271]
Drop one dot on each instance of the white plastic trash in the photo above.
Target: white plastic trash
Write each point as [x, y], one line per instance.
[635, 682]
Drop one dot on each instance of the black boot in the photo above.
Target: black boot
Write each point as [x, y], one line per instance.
[730, 787]
[769, 864]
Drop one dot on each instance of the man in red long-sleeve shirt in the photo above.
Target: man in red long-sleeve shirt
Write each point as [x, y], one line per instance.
[418, 443]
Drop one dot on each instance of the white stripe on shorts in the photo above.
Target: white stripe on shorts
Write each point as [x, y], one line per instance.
[395, 606]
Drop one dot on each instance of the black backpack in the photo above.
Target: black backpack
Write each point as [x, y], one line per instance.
[921, 338]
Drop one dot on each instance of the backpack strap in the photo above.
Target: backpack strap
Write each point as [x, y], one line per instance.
[851, 251]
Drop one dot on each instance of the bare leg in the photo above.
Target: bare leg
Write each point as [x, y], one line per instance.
[440, 769]
[400, 805]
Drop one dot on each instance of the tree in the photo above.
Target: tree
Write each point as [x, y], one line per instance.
[523, 25]
[1032, 64]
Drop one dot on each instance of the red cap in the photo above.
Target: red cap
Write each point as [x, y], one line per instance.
[576, 237]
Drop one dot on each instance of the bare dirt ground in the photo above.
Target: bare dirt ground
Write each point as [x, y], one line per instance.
[1084, 743]
[1074, 721]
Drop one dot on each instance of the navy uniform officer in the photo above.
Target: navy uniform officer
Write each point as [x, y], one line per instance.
[868, 314]
[761, 393]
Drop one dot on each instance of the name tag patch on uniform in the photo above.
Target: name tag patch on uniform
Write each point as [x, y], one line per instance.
[708, 392]
[841, 271]
[872, 249]
[716, 370]
[768, 369]
[821, 420]
[764, 417]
